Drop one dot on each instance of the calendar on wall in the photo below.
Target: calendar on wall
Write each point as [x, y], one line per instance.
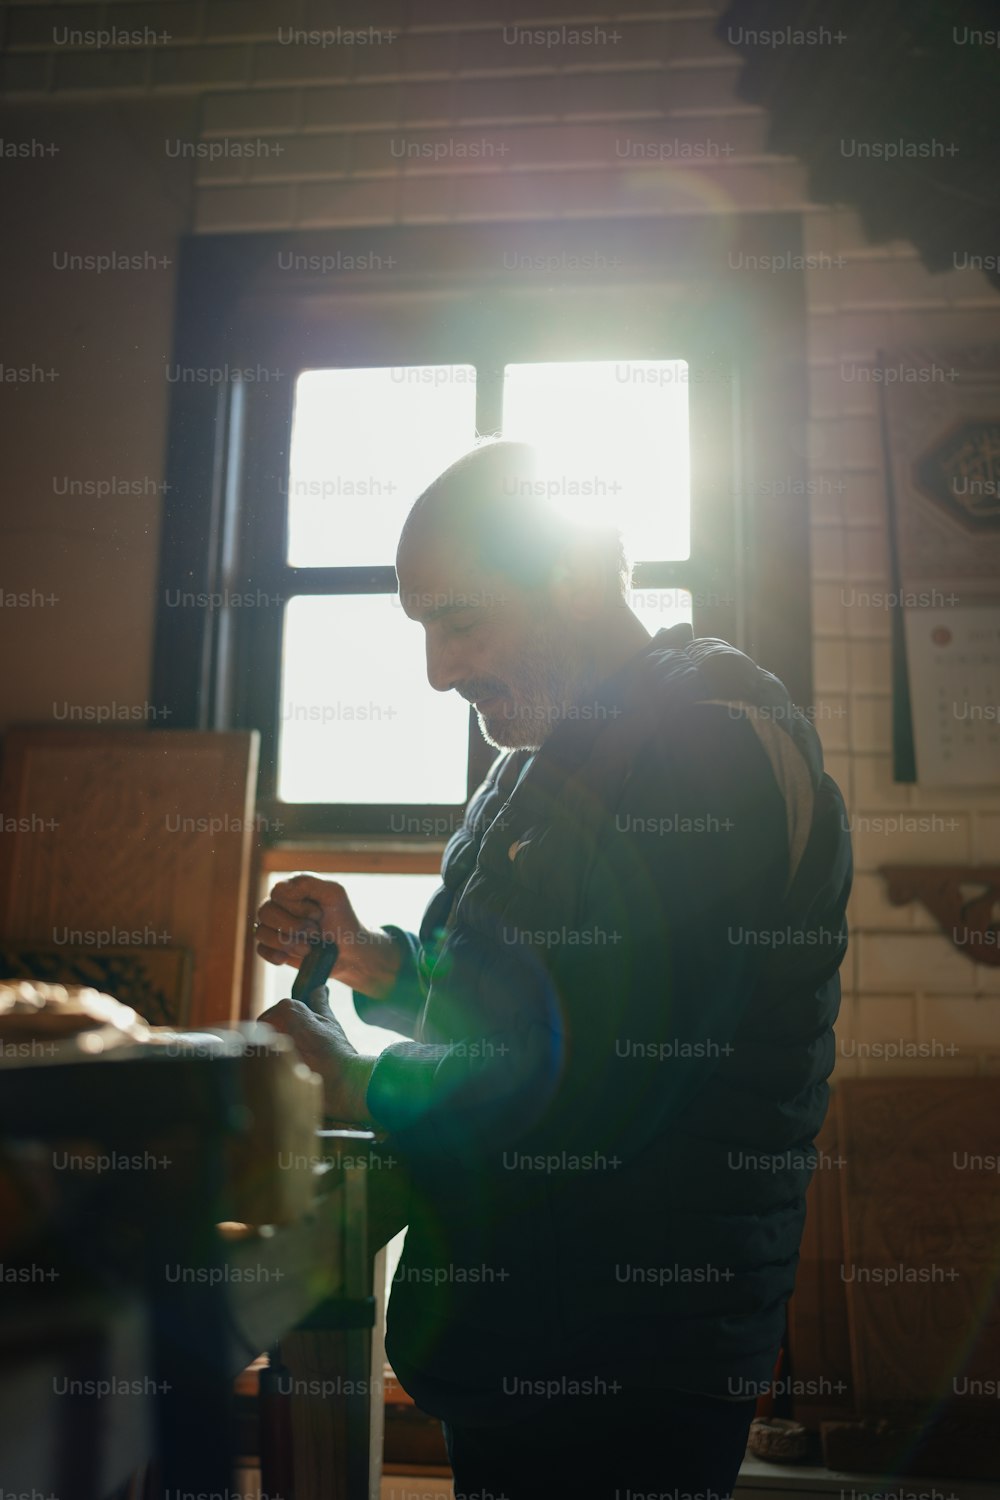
[954, 671]
[941, 426]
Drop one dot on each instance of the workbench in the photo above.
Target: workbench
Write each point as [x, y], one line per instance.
[132, 1299]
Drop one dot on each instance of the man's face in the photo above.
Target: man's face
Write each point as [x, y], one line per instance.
[513, 653]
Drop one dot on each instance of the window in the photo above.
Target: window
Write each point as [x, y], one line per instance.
[613, 438]
[363, 444]
[359, 724]
[377, 897]
[288, 484]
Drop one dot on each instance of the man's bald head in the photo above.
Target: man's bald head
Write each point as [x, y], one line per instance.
[522, 607]
[494, 506]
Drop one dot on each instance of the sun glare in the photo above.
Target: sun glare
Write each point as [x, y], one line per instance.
[613, 441]
[359, 722]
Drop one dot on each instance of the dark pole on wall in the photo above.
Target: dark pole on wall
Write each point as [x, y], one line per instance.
[200, 413]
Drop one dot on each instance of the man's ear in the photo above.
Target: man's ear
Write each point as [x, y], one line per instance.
[580, 581]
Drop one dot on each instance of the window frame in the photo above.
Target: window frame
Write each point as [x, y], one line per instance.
[228, 442]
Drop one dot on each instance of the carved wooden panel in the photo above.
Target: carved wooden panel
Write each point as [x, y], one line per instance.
[118, 838]
[921, 1206]
[155, 982]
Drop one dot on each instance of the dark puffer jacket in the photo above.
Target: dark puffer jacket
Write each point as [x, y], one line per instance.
[622, 1001]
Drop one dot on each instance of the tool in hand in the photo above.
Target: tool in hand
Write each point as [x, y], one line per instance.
[313, 973]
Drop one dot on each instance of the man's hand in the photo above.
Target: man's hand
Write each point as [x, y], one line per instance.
[305, 910]
[323, 1046]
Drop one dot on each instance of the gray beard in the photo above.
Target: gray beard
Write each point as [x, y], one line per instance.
[549, 683]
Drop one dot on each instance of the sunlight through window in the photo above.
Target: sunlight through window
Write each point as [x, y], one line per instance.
[659, 609]
[613, 439]
[377, 898]
[359, 721]
[364, 445]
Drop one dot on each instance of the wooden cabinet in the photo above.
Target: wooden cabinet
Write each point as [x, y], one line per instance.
[894, 1326]
[134, 839]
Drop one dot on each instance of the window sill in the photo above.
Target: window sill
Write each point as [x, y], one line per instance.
[351, 856]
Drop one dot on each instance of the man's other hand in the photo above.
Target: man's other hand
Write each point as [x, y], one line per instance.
[323, 1046]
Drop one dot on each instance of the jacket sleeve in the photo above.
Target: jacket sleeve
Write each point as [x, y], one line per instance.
[400, 1009]
[606, 1031]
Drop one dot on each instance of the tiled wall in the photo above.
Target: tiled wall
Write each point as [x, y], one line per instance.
[448, 111]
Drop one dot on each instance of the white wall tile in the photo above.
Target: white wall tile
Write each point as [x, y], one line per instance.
[912, 963]
[986, 830]
[877, 1018]
[967, 799]
[869, 665]
[867, 608]
[864, 497]
[817, 232]
[827, 551]
[870, 907]
[828, 612]
[837, 764]
[831, 718]
[867, 553]
[872, 784]
[825, 391]
[958, 1020]
[830, 673]
[907, 835]
[871, 723]
[988, 985]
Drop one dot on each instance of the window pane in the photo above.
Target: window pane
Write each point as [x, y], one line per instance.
[359, 721]
[614, 441]
[364, 444]
[659, 609]
[399, 899]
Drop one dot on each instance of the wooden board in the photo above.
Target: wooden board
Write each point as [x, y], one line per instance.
[132, 837]
[928, 1224]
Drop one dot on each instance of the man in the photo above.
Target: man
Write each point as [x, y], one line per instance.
[621, 1001]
